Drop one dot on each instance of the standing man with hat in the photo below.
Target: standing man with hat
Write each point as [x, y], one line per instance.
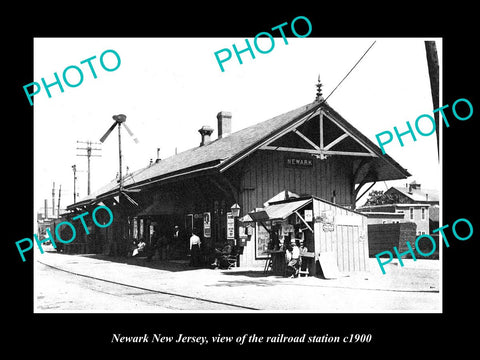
[294, 262]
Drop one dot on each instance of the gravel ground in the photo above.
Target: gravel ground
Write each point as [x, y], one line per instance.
[411, 288]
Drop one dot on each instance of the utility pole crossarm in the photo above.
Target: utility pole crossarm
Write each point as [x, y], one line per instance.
[88, 155]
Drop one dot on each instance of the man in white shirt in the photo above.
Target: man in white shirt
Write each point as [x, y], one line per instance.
[294, 262]
[194, 249]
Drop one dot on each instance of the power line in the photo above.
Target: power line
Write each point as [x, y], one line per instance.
[319, 93]
[354, 66]
[89, 154]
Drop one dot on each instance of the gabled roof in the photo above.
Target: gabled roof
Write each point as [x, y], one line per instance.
[223, 153]
[200, 158]
[417, 195]
[369, 208]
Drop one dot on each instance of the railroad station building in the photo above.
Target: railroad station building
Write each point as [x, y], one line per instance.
[309, 153]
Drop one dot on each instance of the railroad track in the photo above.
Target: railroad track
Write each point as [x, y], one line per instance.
[147, 290]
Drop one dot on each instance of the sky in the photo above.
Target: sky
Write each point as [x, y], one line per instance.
[170, 87]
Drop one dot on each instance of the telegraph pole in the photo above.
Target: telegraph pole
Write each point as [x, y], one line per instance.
[59, 195]
[433, 72]
[74, 168]
[53, 200]
[89, 154]
[119, 161]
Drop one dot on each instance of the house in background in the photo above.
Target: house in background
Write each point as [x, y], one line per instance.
[414, 194]
[410, 204]
[416, 213]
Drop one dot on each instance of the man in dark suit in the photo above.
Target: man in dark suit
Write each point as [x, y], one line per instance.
[177, 243]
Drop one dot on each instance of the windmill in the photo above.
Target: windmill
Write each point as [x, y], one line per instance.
[119, 120]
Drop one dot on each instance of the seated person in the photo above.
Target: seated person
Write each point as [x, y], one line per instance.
[303, 249]
[221, 256]
[295, 260]
[133, 248]
[140, 248]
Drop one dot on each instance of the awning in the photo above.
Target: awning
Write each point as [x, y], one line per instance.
[280, 211]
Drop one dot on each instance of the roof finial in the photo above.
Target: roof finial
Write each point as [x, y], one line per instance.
[319, 90]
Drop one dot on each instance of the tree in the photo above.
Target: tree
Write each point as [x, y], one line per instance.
[377, 197]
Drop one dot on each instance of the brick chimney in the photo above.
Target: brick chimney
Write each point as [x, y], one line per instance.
[224, 124]
[413, 186]
[205, 131]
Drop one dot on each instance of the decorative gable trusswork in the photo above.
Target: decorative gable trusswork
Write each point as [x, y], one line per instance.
[320, 136]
